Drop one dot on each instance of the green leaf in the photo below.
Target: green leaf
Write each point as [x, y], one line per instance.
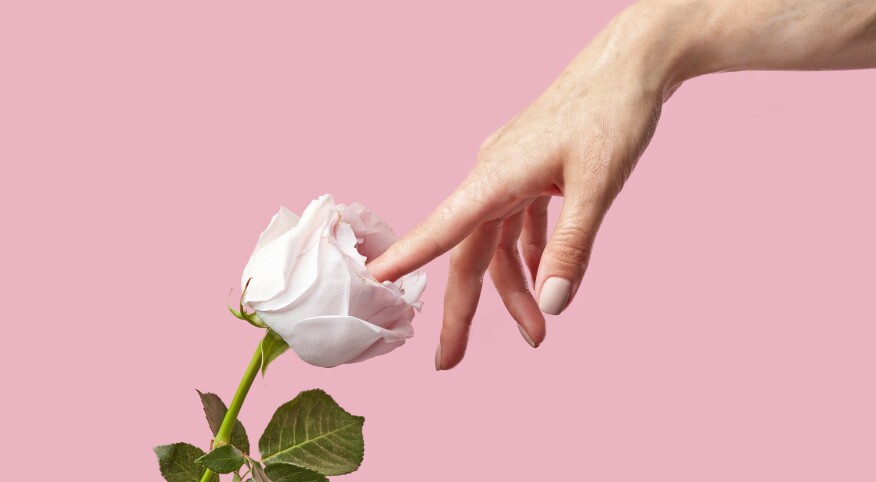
[235, 478]
[258, 473]
[178, 463]
[223, 460]
[293, 473]
[272, 346]
[215, 410]
[314, 432]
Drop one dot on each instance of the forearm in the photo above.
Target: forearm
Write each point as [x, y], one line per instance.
[791, 34]
[675, 40]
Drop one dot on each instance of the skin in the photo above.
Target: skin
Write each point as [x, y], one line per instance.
[582, 138]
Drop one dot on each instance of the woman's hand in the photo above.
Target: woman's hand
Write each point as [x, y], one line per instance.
[581, 140]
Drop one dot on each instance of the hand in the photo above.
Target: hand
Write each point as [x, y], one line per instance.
[582, 138]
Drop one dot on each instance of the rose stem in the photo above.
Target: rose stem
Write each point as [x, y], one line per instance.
[228, 422]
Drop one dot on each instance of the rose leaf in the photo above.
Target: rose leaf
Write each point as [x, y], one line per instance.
[293, 473]
[178, 463]
[314, 432]
[215, 410]
[223, 460]
[258, 473]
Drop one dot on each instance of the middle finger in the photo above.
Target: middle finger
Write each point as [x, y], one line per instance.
[468, 263]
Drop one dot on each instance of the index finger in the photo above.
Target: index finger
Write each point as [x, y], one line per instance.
[452, 221]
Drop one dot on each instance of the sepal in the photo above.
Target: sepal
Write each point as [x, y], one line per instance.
[241, 313]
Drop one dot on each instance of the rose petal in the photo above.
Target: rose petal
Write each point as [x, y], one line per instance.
[285, 266]
[346, 241]
[396, 317]
[374, 235]
[413, 285]
[282, 222]
[328, 293]
[328, 341]
[368, 298]
[377, 349]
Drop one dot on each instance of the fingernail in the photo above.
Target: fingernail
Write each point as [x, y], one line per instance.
[438, 358]
[554, 295]
[526, 336]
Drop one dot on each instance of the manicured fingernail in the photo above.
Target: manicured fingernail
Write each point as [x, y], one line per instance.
[438, 358]
[554, 295]
[526, 336]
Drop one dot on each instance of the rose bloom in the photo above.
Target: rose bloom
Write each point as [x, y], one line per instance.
[308, 282]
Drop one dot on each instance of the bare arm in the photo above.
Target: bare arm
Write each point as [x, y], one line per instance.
[789, 35]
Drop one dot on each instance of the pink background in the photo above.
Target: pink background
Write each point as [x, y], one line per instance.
[724, 332]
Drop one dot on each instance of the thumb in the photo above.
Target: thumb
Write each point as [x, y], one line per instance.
[567, 254]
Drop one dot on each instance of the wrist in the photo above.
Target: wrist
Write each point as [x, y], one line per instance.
[665, 42]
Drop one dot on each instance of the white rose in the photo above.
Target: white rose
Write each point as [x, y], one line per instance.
[309, 284]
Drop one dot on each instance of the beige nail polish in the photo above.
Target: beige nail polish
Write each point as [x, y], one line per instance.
[526, 336]
[438, 358]
[554, 295]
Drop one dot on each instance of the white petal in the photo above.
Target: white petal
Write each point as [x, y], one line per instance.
[328, 341]
[374, 235]
[392, 308]
[282, 222]
[385, 304]
[346, 241]
[377, 349]
[396, 317]
[413, 285]
[326, 271]
[286, 265]
[368, 297]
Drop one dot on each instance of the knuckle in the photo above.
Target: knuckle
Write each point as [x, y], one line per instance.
[484, 148]
[506, 247]
[571, 246]
[490, 185]
[530, 250]
[536, 213]
[489, 143]
[520, 291]
[424, 237]
[460, 320]
[466, 266]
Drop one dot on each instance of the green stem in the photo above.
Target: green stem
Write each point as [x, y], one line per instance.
[230, 419]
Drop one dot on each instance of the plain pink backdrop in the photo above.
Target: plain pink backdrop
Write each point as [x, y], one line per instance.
[725, 330]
